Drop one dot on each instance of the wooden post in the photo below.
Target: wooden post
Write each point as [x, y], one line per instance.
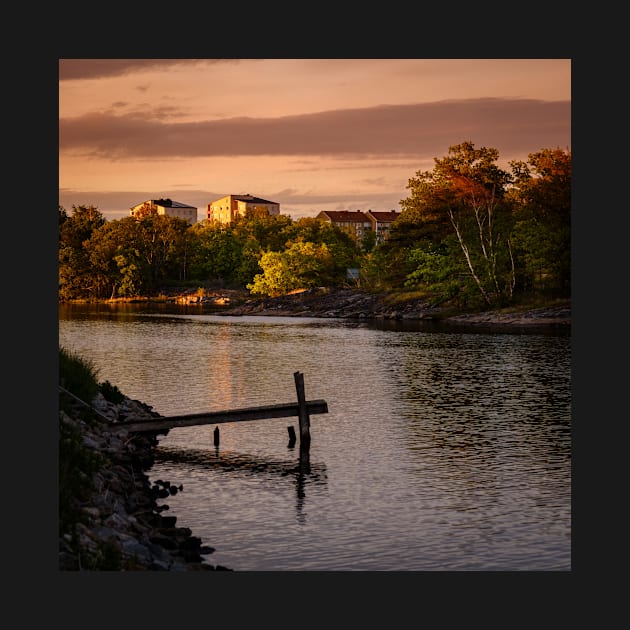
[216, 436]
[304, 418]
[305, 459]
[291, 431]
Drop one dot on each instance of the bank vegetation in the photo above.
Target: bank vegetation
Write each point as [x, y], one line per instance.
[470, 236]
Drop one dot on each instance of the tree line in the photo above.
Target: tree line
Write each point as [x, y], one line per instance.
[470, 233]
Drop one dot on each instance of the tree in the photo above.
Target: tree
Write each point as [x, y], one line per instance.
[74, 269]
[342, 247]
[468, 188]
[542, 233]
[216, 253]
[118, 267]
[160, 241]
[271, 232]
[300, 266]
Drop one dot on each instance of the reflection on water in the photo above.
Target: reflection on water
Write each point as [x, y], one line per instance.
[441, 450]
[299, 474]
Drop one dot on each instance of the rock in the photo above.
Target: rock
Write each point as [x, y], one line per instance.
[352, 303]
[120, 519]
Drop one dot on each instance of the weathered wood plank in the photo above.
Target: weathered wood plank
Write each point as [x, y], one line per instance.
[218, 417]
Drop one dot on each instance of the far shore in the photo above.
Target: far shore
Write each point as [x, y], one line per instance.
[353, 303]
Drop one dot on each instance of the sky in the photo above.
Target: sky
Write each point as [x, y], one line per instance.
[309, 134]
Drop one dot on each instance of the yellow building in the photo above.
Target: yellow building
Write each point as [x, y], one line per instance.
[226, 209]
[166, 207]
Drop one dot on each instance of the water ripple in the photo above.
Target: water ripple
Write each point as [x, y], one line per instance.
[439, 452]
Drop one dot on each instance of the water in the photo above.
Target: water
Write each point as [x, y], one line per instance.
[441, 450]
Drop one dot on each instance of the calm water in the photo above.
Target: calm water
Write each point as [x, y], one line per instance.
[440, 451]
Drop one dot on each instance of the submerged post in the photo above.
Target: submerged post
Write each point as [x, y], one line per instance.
[303, 417]
[291, 431]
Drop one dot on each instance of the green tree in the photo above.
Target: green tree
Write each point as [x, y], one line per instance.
[118, 267]
[421, 225]
[372, 269]
[160, 241]
[440, 273]
[74, 267]
[342, 247]
[542, 233]
[301, 266]
[215, 253]
[256, 233]
[369, 241]
[468, 188]
[271, 232]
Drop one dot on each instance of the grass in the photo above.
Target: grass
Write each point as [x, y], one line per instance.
[77, 463]
[403, 296]
[527, 303]
[78, 375]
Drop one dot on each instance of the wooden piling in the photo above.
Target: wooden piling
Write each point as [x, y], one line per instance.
[216, 436]
[303, 415]
[291, 431]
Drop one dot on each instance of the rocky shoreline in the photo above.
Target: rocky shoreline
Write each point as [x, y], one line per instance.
[354, 303]
[122, 515]
[351, 303]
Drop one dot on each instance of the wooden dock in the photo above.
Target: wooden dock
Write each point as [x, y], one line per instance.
[303, 409]
[285, 410]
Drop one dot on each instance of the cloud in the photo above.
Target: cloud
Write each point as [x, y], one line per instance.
[82, 69]
[512, 125]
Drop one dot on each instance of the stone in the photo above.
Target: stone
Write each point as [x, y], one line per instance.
[122, 513]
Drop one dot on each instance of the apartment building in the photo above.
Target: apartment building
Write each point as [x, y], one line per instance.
[166, 207]
[354, 222]
[381, 222]
[226, 209]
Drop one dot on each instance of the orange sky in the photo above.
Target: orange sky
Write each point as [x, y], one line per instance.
[309, 134]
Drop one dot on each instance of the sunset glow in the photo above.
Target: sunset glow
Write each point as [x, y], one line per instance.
[309, 134]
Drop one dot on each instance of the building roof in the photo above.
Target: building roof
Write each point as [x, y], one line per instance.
[169, 203]
[384, 217]
[249, 198]
[345, 215]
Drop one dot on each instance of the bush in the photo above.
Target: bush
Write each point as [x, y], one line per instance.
[111, 393]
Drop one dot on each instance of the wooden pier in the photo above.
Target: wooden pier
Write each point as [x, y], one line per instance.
[303, 409]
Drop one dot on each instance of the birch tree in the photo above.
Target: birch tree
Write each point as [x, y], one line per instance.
[469, 189]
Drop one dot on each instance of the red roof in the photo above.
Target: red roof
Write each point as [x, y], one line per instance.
[385, 217]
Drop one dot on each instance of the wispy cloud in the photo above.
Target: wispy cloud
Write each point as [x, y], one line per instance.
[82, 69]
[399, 130]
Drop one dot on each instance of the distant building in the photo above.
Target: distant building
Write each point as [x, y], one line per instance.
[381, 222]
[226, 209]
[166, 207]
[354, 222]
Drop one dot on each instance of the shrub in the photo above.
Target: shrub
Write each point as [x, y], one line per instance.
[111, 393]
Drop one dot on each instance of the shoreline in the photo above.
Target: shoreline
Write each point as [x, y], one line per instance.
[354, 304]
[120, 523]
